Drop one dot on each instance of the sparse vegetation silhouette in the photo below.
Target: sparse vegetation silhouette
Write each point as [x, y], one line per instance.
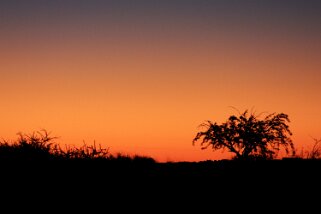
[249, 137]
[39, 146]
[311, 153]
[35, 146]
[315, 152]
[37, 155]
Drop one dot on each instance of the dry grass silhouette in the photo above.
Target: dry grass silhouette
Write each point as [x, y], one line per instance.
[311, 153]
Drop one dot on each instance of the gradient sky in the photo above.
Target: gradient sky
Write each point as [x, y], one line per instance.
[140, 76]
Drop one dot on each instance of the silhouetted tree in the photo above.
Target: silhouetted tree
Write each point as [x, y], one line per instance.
[249, 137]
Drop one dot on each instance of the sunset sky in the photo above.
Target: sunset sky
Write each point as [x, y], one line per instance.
[140, 76]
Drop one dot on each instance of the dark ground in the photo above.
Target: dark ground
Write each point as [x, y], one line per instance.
[163, 187]
[221, 170]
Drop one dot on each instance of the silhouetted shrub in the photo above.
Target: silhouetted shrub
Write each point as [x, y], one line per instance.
[84, 152]
[41, 146]
[36, 146]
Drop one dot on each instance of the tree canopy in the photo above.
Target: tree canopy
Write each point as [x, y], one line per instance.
[249, 137]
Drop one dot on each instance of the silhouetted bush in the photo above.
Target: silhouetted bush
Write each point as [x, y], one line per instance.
[84, 152]
[36, 146]
[41, 146]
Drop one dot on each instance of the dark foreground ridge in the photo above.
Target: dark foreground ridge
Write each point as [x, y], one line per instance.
[290, 168]
[33, 162]
[161, 185]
